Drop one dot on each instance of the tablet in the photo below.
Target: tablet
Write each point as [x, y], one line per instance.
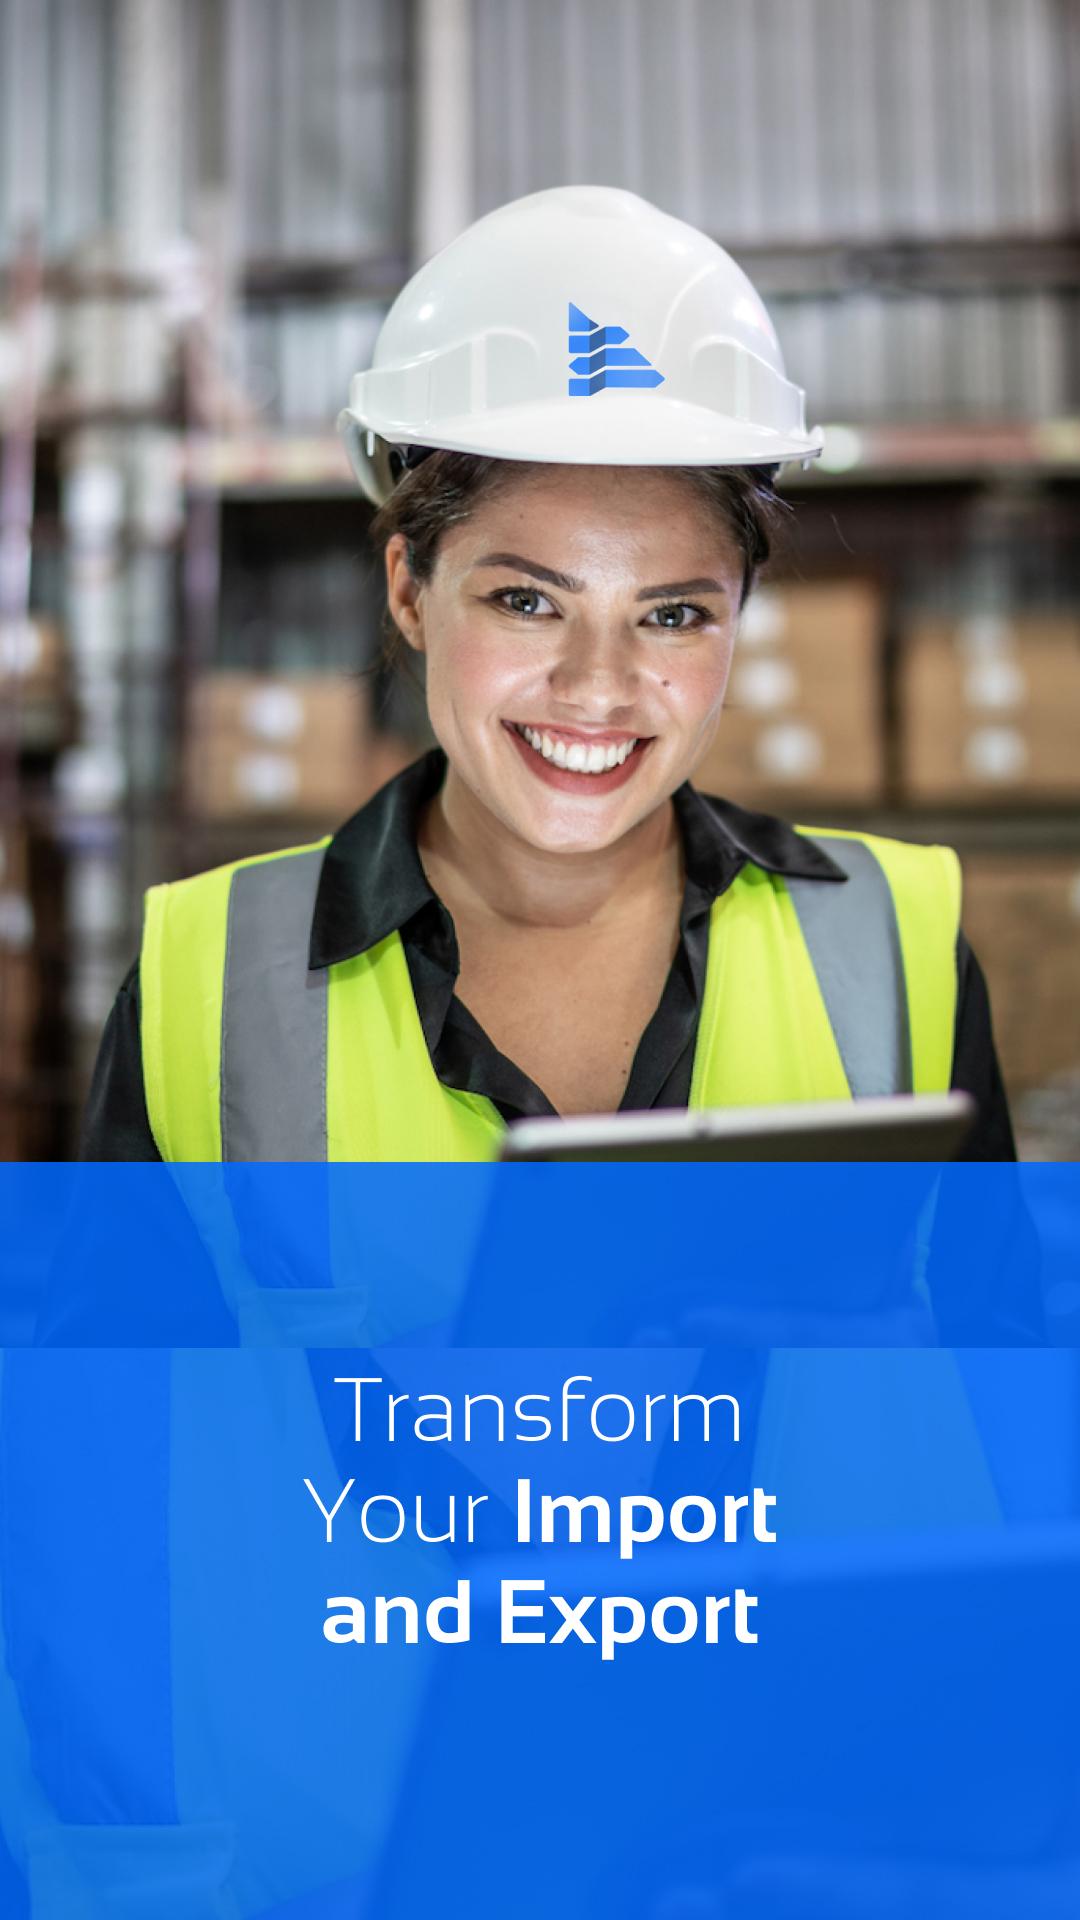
[925, 1126]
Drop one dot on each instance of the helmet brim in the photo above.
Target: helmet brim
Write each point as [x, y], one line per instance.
[609, 428]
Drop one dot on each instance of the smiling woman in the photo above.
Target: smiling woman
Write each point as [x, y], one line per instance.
[543, 914]
[573, 688]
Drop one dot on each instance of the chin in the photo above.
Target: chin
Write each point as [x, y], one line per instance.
[571, 836]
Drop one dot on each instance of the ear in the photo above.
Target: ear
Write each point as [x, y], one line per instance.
[403, 592]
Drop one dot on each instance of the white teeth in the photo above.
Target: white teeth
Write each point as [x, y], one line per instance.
[578, 758]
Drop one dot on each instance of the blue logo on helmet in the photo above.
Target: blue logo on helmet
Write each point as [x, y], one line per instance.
[599, 358]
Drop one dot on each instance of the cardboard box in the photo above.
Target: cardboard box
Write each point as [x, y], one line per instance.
[290, 746]
[31, 659]
[1021, 914]
[803, 714]
[990, 710]
[13, 858]
[33, 682]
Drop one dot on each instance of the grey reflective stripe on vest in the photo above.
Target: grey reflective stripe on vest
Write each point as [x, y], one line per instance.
[273, 1016]
[854, 943]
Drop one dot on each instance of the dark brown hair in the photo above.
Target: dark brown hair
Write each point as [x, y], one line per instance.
[443, 489]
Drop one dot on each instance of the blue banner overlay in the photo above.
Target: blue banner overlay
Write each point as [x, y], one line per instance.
[830, 1255]
[597, 1632]
[652, 1543]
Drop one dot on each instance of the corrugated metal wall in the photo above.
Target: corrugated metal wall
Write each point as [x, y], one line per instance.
[55, 151]
[803, 122]
[879, 357]
[318, 153]
[787, 119]
[783, 123]
[292, 145]
[298, 108]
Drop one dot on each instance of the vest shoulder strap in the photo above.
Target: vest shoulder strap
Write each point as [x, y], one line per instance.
[229, 1009]
[884, 952]
[828, 989]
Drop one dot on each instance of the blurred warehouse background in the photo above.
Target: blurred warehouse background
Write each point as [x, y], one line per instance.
[205, 208]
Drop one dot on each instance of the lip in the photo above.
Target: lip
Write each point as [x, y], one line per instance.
[561, 778]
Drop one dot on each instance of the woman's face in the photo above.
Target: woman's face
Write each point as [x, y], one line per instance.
[578, 631]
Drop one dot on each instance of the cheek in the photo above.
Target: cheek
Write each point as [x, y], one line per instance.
[472, 676]
[694, 686]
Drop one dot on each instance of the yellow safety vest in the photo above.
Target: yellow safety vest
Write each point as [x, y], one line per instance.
[814, 990]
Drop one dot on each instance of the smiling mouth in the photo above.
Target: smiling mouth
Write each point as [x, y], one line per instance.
[576, 755]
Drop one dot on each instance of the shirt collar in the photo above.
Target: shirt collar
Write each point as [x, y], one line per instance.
[372, 882]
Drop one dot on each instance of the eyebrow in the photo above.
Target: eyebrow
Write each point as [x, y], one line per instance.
[676, 587]
[564, 580]
[570, 585]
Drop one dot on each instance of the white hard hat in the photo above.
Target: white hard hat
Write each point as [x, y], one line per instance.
[579, 325]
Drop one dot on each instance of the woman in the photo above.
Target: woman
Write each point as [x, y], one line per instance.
[571, 428]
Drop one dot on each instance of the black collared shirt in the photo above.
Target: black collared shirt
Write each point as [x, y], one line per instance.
[373, 883]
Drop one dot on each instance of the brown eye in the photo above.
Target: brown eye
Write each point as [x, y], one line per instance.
[526, 602]
[671, 615]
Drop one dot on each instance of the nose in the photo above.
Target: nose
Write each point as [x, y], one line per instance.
[596, 673]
